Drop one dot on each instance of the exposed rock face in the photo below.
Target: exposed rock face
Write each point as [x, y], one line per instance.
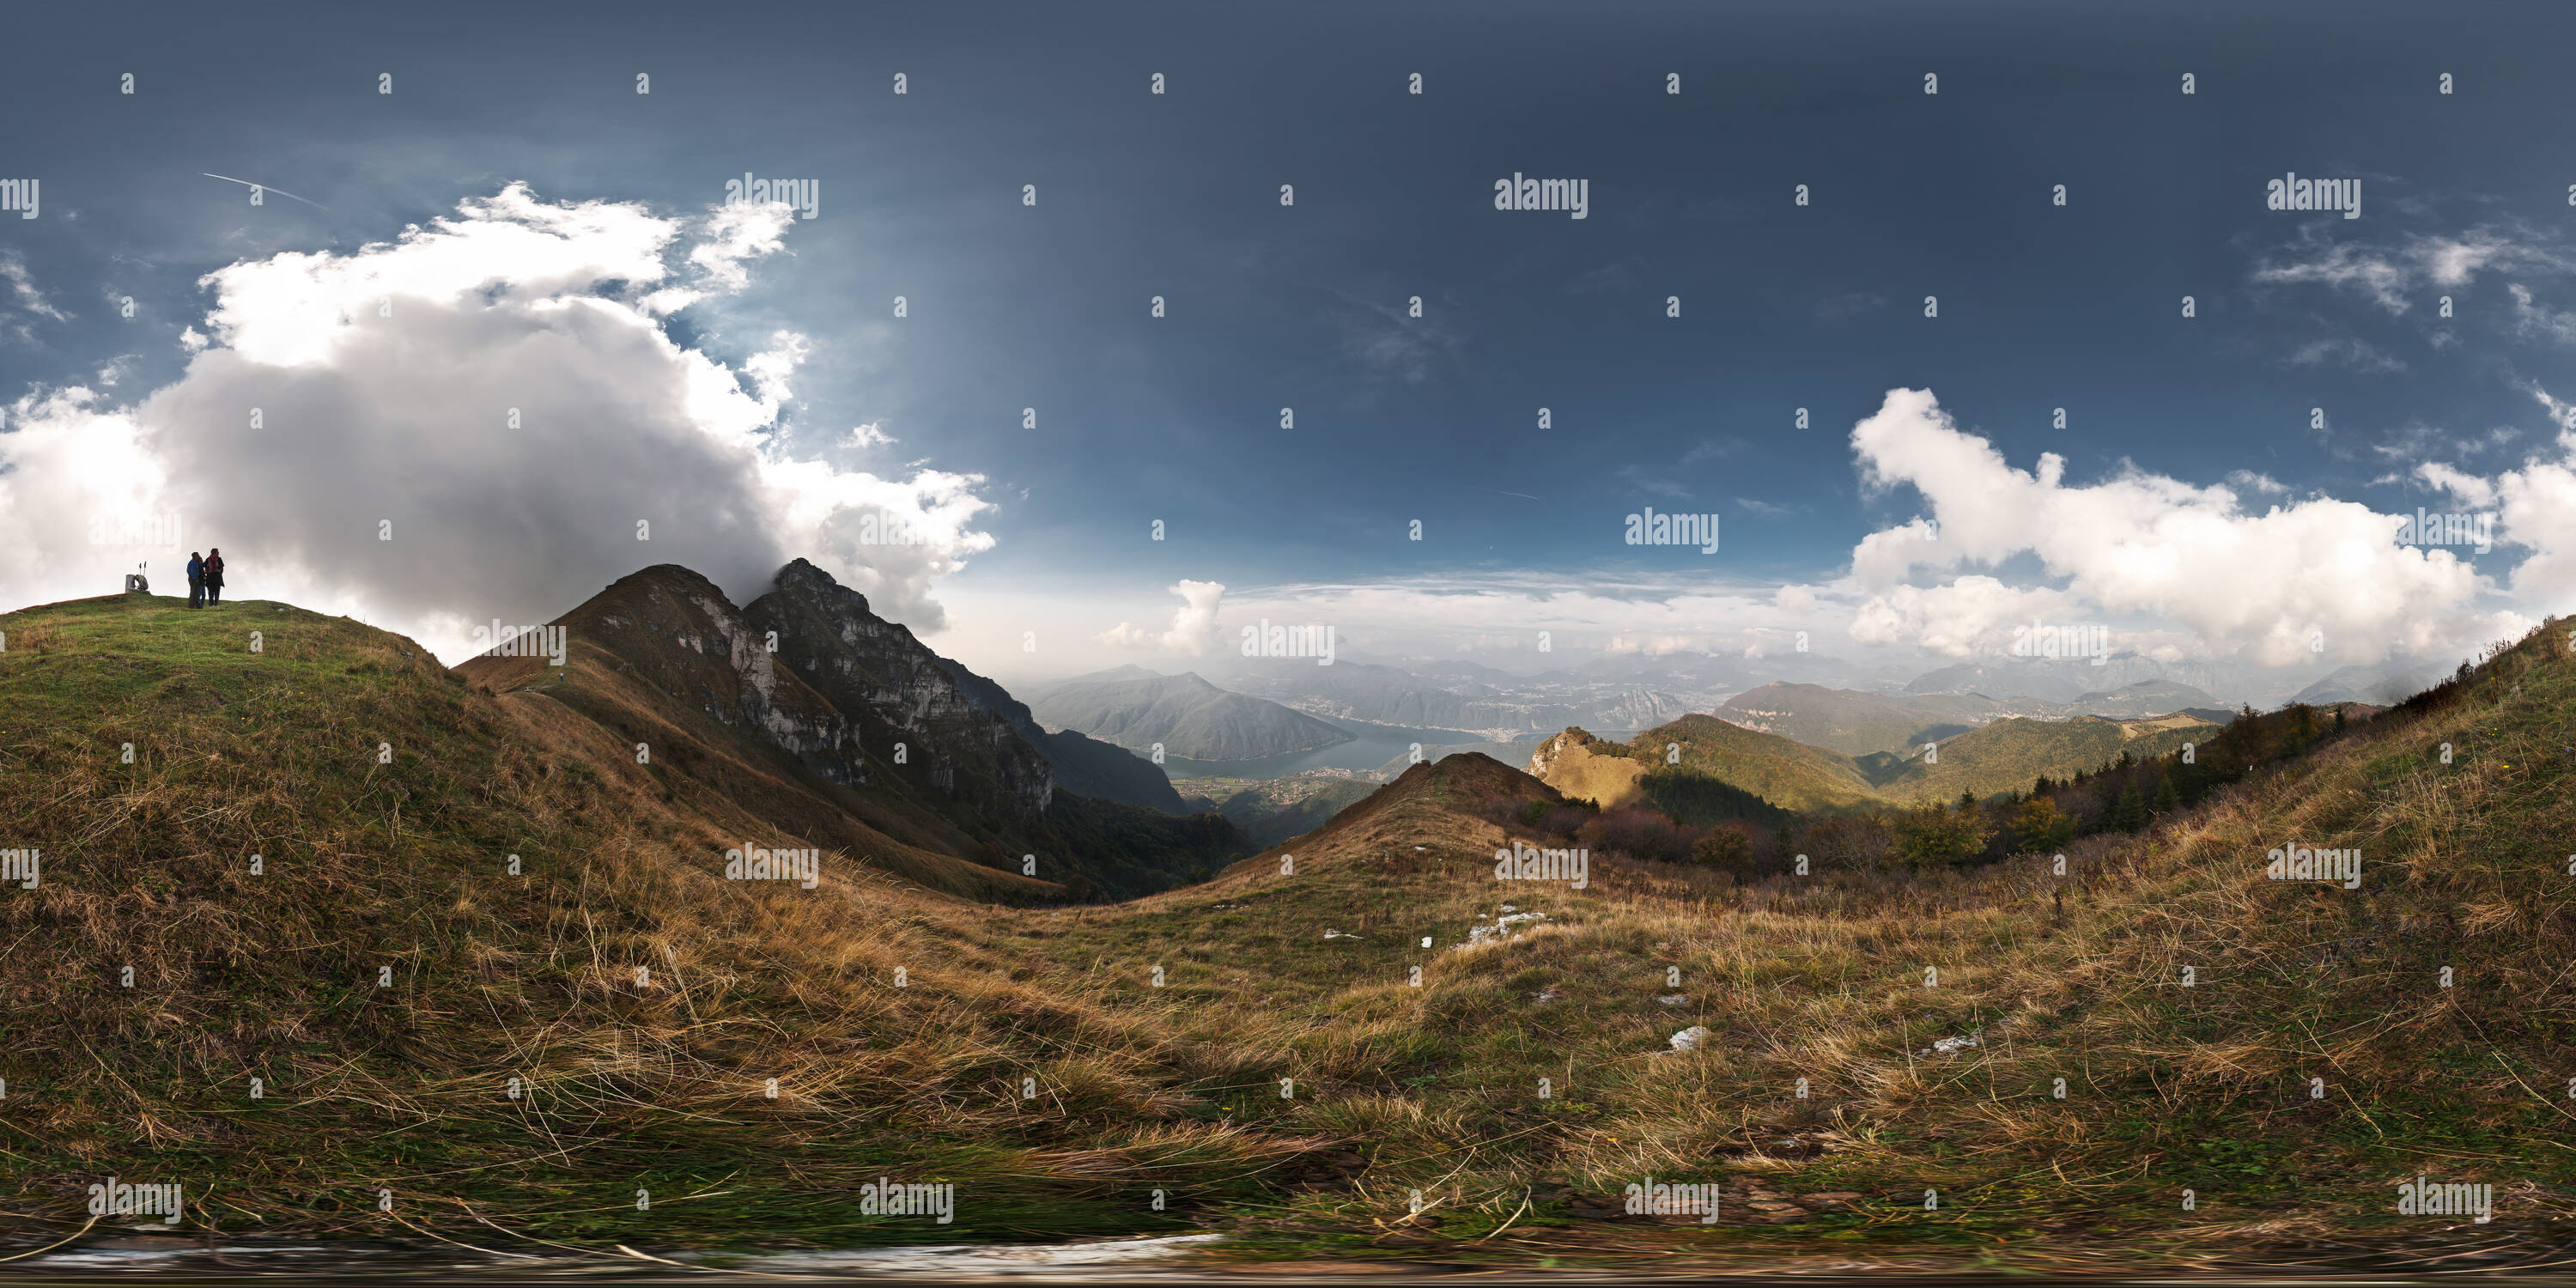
[687, 640]
[896, 689]
[1579, 765]
[1553, 750]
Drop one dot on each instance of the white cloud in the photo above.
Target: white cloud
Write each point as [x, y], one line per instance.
[2140, 544]
[2357, 354]
[2531, 318]
[869, 435]
[1193, 630]
[2393, 277]
[1961, 619]
[29, 300]
[2470, 489]
[769, 370]
[385, 379]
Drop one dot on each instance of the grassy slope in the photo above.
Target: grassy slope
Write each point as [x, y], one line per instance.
[1788, 774]
[657, 1084]
[1398, 1088]
[2003, 756]
[1852, 722]
[2008, 754]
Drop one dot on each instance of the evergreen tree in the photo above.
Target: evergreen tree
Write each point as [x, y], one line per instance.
[2167, 800]
[2126, 814]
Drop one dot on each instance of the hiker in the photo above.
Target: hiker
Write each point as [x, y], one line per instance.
[214, 575]
[196, 580]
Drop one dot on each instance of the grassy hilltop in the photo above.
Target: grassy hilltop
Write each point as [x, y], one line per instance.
[385, 978]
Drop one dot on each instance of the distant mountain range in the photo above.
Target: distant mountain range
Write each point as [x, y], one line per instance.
[1466, 698]
[1184, 716]
[2381, 684]
[1858, 724]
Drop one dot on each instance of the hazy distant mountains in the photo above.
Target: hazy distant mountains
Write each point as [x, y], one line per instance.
[1857, 724]
[2382, 685]
[1184, 714]
[1464, 696]
[1810, 698]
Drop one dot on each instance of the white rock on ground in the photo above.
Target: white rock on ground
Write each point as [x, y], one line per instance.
[1691, 1039]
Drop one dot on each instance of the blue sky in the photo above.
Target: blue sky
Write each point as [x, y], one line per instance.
[1176, 195]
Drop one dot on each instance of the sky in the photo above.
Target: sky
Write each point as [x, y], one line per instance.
[510, 337]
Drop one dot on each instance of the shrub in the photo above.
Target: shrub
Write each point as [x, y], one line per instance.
[1939, 837]
[1639, 834]
[2038, 827]
[1723, 846]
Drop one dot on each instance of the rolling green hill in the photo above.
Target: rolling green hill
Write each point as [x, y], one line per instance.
[2007, 755]
[2004, 756]
[1787, 773]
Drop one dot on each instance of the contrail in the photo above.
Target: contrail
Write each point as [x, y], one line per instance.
[265, 188]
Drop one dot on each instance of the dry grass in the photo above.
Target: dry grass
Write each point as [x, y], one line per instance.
[1395, 1088]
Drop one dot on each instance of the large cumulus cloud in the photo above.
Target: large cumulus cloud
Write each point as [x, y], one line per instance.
[502, 392]
[2264, 586]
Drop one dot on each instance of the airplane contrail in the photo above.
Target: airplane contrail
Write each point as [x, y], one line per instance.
[265, 188]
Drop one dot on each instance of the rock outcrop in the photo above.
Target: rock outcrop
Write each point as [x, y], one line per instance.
[895, 687]
[687, 640]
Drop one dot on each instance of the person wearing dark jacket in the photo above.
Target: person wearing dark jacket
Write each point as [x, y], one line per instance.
[196, 580]
[214, 575]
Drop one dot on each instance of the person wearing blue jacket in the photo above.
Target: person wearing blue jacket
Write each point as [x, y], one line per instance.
[196, 581]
